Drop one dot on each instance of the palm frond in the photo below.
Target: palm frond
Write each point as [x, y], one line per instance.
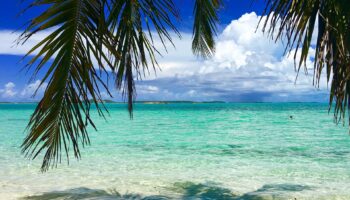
[205, 27]
[134, 43]
[295, 21]
[61, 117]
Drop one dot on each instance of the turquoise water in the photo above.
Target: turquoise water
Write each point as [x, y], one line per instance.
[189, 151]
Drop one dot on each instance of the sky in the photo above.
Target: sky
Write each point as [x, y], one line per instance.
[247, 65]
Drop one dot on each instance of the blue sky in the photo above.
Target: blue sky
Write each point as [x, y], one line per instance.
[247, 66]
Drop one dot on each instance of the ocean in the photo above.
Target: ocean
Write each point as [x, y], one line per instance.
[188, 151]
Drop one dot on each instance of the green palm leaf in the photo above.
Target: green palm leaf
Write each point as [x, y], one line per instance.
[136, 24]
[61, 117]
[204, 28]
[295, 21]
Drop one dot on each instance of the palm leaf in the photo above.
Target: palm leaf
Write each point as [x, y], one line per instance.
[61, 117]
[295, 21]
[205, 27]
[135, 43]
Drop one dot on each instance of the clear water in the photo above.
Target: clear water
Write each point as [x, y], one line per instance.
[189, 151]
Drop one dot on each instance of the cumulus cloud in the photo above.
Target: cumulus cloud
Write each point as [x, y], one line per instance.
[30, 89]
[247, 66]
[8, 91]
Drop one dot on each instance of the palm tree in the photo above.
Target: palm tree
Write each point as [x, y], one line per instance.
[89, 38]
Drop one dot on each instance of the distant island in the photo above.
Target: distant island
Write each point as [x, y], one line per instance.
[172, 102]
[166, 102]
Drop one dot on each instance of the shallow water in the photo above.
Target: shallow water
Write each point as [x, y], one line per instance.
[189, 151]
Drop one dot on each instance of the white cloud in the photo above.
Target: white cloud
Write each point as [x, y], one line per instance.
[8, 91]
[247, 66]
[29, 90]
[148, 89]
[10, 46]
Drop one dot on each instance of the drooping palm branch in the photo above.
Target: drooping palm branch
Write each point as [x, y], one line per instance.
[118, 35]
[61, 117]
[134, 24]
[296, 20]
[205, 27]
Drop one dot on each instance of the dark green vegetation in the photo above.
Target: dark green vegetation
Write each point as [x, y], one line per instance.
[119, 36]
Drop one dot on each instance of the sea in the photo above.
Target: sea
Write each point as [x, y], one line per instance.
[253, 151]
